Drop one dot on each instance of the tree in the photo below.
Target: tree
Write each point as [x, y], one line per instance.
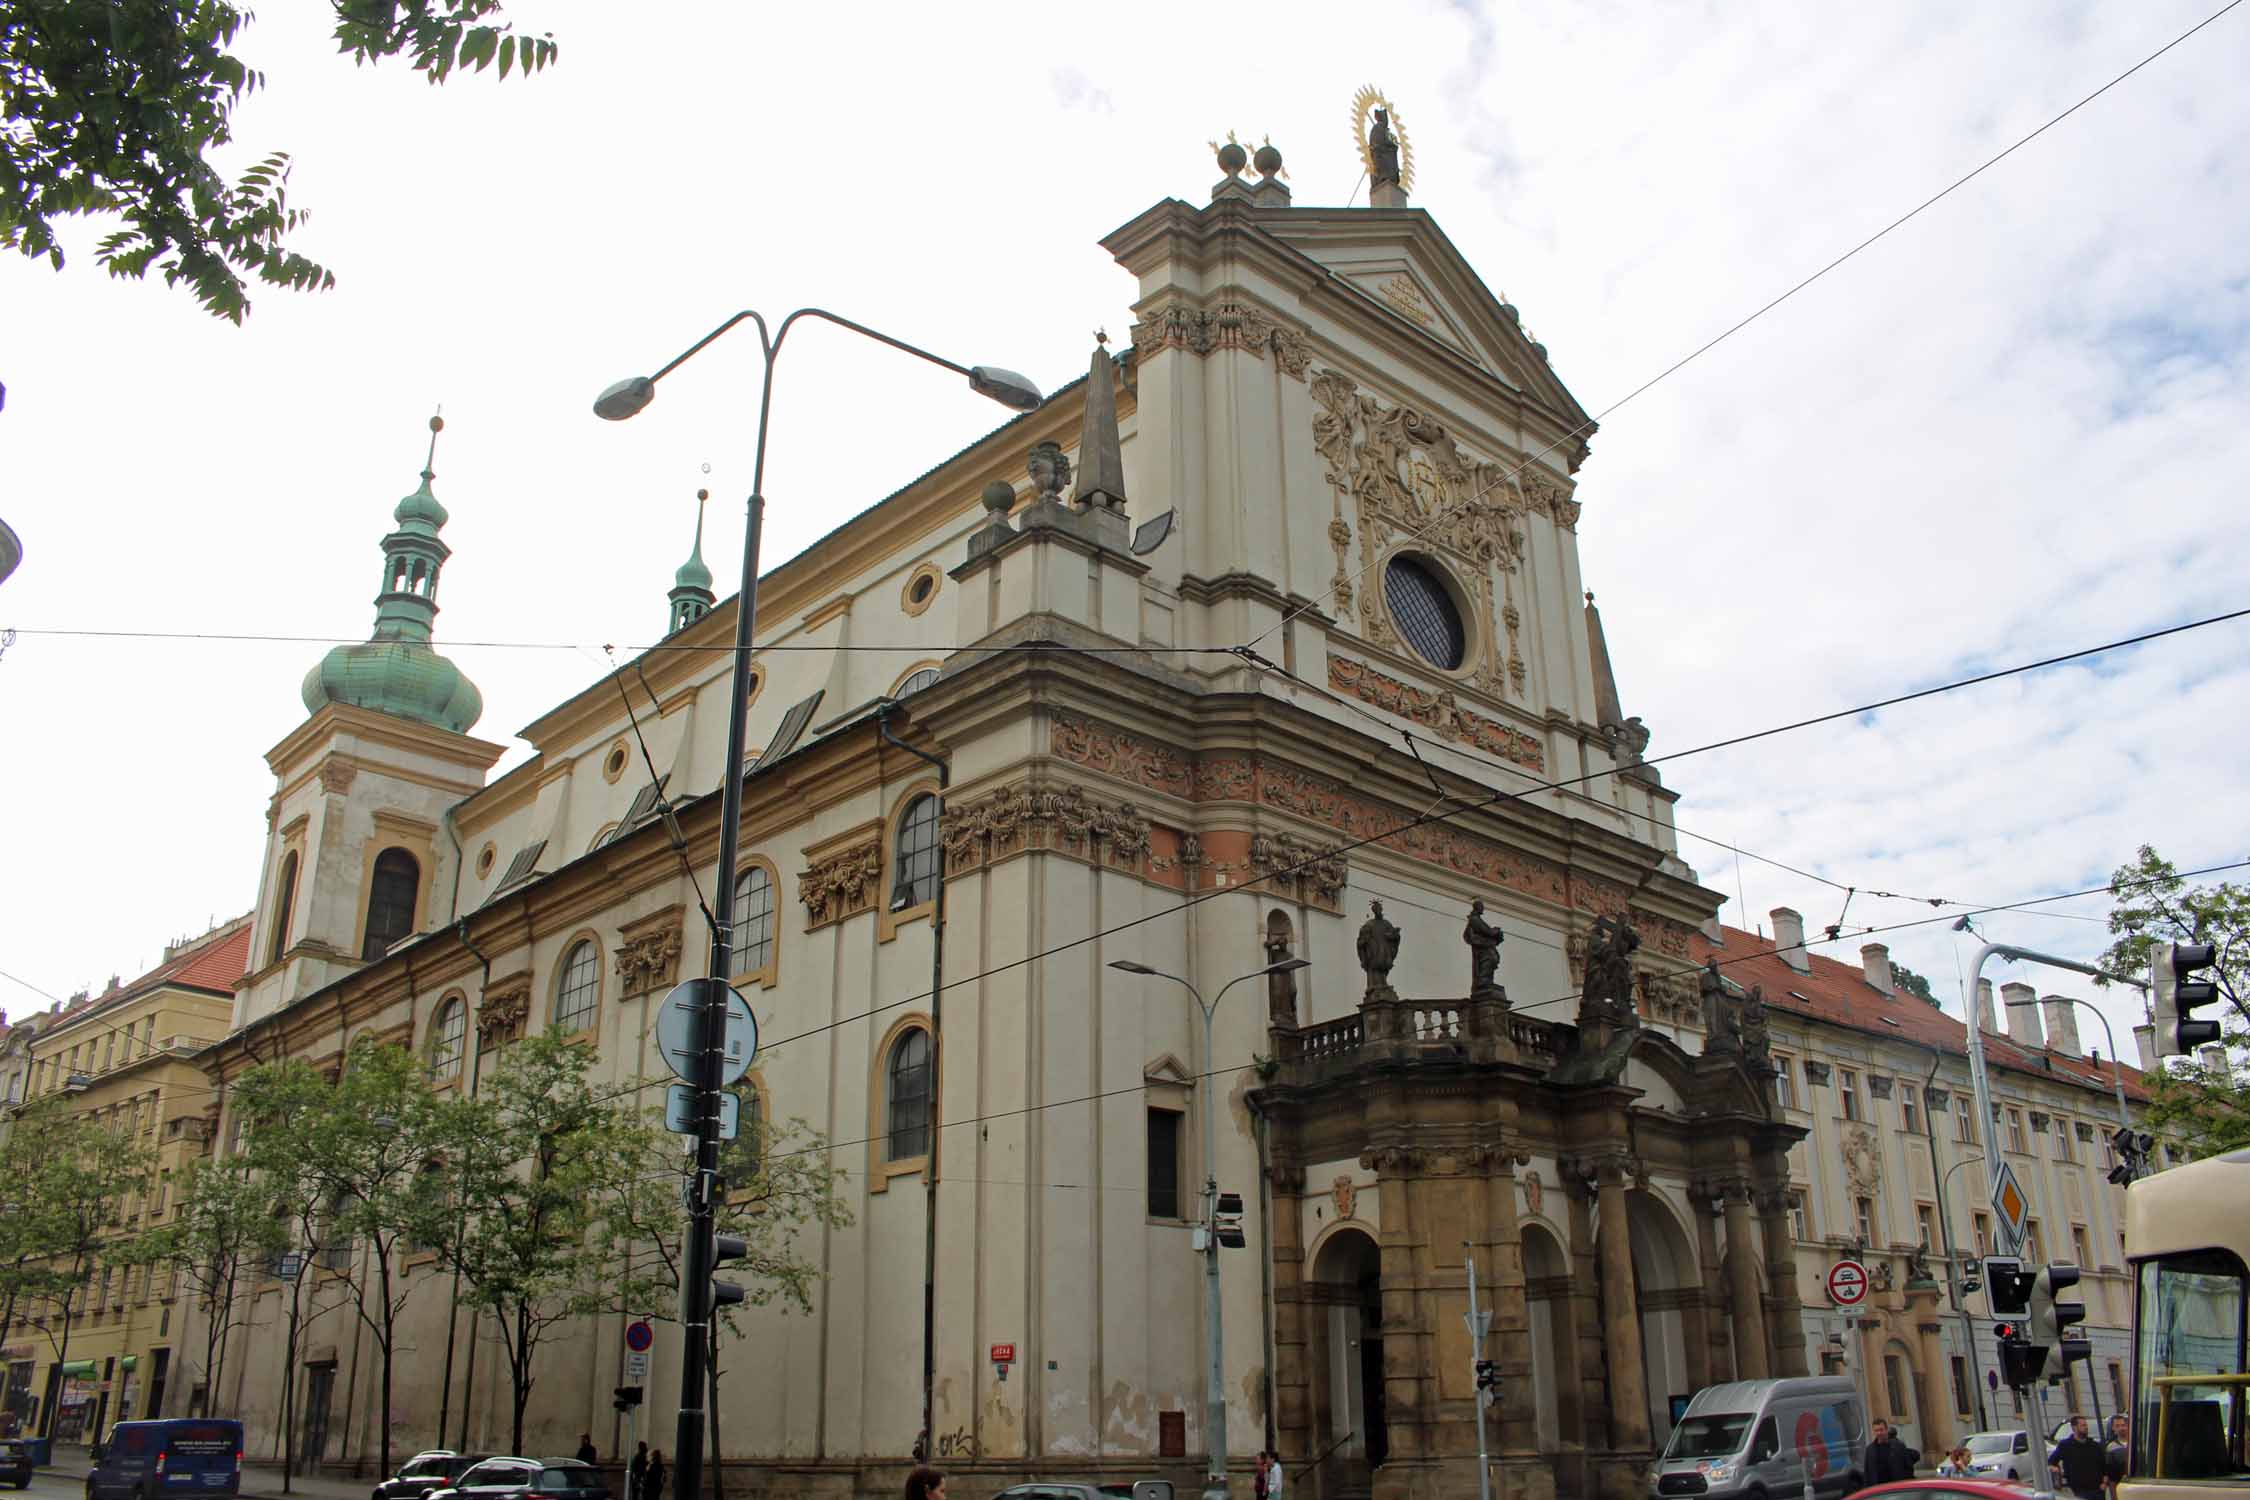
[113, 107]
[1913, 983]
[2199, 1108]
[223, 1232]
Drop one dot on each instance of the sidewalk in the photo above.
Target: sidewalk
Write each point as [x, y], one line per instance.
[259, 1481]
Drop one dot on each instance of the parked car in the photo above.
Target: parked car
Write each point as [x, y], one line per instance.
[1071, 1489]
[1750, 1439]
[1947, 1489]
[15, 1463]
[506, 1477]
[424, 1472]
[185, 1455]
[2001, 1455]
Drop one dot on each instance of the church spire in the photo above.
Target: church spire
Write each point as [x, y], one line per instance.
[691, 594]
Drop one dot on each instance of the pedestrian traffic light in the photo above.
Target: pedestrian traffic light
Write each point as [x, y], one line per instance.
[2052, 1318]
[1488, 1375]
[2008, 1282]
[628, 1397]
[2132, 1148]
[1227, 1221]
[2177, 993]
[726, 1247]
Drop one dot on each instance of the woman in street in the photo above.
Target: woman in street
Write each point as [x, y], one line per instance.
[925, 1483]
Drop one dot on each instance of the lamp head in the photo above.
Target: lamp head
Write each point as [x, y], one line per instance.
[1127, 966]
[1004, 386]
[1287, 966]
[627, 398]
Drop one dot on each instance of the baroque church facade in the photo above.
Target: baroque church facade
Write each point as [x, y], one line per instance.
[1177, 618]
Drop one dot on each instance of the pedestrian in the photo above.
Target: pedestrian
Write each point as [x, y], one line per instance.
[2077, 1462]
[1273, 1475]
[1956, 1465]
[1888, 1459]
[635, 1472]
[586, 1453]
[1258, 1478]
[652, 1483]
[2116, 1454]
[925, 1483]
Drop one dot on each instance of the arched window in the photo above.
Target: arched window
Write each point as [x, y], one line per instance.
[753, 921]
[447, 1033]
[578, 994]
[907, 1123]
[390, 901]
[914, 865]
[915, 681]
[285, 907]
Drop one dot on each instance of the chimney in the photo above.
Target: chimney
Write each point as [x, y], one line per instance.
[2021, 1003]
[2214, 1057]
[2144, 1043]
[2062, 1024]
[1985, 1018]
[1875, 960]
[1789, 938]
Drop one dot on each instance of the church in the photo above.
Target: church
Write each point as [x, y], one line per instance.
[1181, 621]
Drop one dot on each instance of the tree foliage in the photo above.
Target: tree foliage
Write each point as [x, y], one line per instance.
[2201, 1108]
[114, 108]
[1914, 984]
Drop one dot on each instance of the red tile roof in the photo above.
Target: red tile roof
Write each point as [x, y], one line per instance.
[212, 962]
[1839, 994]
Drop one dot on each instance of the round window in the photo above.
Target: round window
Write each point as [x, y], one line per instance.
[1424, 611]
[923, 587]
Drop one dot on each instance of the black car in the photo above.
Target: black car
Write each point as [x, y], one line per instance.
[424, 1472]
[509, 1478]
[15, 1463]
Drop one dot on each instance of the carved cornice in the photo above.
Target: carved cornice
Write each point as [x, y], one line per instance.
[1584, 1173]
[1179, 324]
[840, 885]
[648, 952]
[1020, 818]
[337, 773]
[1439, 711]
[1292, 868]
[1395, 1161]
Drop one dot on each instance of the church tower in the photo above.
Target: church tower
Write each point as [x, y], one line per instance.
[691, 594]
[357, 859]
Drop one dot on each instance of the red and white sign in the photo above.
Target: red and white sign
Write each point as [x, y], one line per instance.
[1003, 1354]
[1847, 1283]
[638, 1336]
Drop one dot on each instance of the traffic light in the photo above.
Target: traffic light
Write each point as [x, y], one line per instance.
[2020, 1362]
[2009, 1283]
[726, 1247]
[2132, 1149]
[1227, 1221]
[2177, 994]
[628, 1397]
[1488, 1375]
[2052, 1318]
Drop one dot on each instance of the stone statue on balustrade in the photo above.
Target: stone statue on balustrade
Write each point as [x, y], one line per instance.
[1608, 995]
[1757, 1036]
[1281, 989]
[1722, 1028]
[1484, 939]
[1378, 950]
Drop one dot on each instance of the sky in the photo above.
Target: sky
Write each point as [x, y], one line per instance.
[2014, 427]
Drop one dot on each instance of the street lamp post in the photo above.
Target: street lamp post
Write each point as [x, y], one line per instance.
[628, 398]
[1214, 1339]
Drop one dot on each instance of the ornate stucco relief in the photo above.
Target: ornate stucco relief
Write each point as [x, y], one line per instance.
[1179, 324]
[1439, 711]
[1018, 819]
[648, 952]
[840, 885]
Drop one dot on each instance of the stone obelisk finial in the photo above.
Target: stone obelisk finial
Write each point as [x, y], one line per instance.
[1101, 466]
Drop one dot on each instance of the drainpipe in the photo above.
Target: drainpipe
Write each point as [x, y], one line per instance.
[453, 906]
[453, 1308]
[937, 1072]
[1265, 1264]
[1945, 1229]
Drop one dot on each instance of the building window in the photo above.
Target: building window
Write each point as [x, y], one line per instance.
[1863, 1212]
[1800, 1218]
[914, 681]
[2083, 1255]
[1964, 1120]
[1164, 1164]
[1424, 611]
[446, 1036]
[2116, 1386]
[391, 894]
[914, 867]
[1785, 1080]
[1983, 1226]
[336, 1246]
[1894, 1384]
[2062, 1140]
[1925, 1221]
[907, 1124]
[753, 921]
[578, 995]
[1909, 1113]
[2033, 1251]
[285, 905]
[1847, 1092]
[2015, 1130]
[1961, 1385]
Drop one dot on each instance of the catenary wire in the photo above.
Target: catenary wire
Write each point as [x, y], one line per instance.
[1496, 797]
[911, 648]
[1587, 426]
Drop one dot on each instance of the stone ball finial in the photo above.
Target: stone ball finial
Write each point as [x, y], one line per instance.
[437, 424]
[702, 495]
[1232, 158]
[999, 497]
[1267, 159]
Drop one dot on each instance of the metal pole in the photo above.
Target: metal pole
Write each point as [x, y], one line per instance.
[1476, 1351]
[1961, 1304]
[1945, 1229]
[1214, 1377]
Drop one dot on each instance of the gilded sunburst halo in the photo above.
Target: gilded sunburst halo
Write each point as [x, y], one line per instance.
[1364, 103]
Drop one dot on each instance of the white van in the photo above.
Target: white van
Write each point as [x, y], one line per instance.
[1764, 1439]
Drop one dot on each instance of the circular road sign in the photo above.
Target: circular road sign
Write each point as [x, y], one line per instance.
[638, 1335]
[675, 1030]
[1847, 1283]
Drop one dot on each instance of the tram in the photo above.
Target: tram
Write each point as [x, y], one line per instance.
[2187, 1241]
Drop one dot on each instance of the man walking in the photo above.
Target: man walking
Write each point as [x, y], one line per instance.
[2077, 1462]
[635, 1472]
[1888, 1459]
[2116, 1455]
[1273, 1475]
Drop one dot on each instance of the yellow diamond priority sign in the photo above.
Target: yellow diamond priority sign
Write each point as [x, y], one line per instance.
[2012, 1205]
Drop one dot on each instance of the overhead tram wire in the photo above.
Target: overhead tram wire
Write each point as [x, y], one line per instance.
[908, 648]
[1447, 814]
[1583, 428]
[1227, 1072]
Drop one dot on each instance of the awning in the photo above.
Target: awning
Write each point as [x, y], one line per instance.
[79, 1369]
[129, 1362]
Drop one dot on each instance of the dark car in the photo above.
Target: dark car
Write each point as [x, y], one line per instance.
[509, 1478]
[15, 1463]
[424, 1472]
[147, 1460]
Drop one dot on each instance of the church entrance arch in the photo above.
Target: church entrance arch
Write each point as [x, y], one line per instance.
[1666, 1277]
[1347, 1292]
[1546, 1276]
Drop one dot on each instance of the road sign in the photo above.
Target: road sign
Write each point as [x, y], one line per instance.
[679, 1112]
[636, 1368]
[1847, 1283]
[675, 1031]
[638, 1336]
[1003, 1354]
[1479, 1323]
[2012, 1204]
